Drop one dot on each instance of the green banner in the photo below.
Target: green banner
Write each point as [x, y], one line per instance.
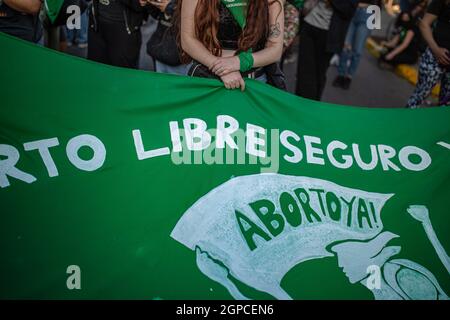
[117, 183]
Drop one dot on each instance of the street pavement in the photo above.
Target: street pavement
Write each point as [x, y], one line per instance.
[371, 87]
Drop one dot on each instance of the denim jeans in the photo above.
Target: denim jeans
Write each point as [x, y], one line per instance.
[262, 78]
[165, 68]
[79, 35]
[354, 43]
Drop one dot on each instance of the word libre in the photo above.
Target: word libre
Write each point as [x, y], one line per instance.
[194, 137]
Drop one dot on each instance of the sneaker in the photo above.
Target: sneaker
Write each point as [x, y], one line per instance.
[338, 81]
[82, 45]
[346, 83]
[334, 60]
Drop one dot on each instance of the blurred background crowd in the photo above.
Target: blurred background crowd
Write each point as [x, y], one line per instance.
[338, 51]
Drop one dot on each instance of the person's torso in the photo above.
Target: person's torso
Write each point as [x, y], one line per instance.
[18, 24]
[111, 10]
[320, 15]
[413, 47]
[442, 29]
[229, 31]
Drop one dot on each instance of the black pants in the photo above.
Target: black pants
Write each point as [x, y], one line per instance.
[113, 45]
[405, 57]
[313, 62]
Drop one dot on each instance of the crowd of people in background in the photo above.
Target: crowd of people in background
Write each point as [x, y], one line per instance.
[232, 40]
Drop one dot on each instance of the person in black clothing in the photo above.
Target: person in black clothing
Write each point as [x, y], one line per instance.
[435, 62]
[162, 45]
[322, 34]
[19, 18]
[115, 32]
[403, 48]
[419, 9]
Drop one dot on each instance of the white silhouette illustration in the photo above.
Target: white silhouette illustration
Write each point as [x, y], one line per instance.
[420, 213]
[256, 228]
[401, 279]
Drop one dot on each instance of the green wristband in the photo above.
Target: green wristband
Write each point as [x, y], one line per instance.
[246, 60]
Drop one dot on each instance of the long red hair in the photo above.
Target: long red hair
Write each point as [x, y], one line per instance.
[207, 24]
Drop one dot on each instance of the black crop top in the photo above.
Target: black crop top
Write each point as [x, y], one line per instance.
[229, 30]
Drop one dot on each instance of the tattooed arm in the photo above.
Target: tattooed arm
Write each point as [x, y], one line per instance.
[274, 45]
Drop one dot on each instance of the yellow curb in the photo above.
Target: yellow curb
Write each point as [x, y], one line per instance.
[405, 71]
[373, 48]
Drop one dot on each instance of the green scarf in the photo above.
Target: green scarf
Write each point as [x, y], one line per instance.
[299, 4]
[238, 9]
[52, 8]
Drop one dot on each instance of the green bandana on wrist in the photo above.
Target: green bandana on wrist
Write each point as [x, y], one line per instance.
[238, 9]
[246, 60]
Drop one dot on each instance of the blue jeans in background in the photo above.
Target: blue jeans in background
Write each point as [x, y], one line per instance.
[79, 36]
[354, 43]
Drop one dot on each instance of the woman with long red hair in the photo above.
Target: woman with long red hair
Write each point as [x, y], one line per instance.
[232, 39]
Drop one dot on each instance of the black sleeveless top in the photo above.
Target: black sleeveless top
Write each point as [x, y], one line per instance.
[229, 31]
[15, 23]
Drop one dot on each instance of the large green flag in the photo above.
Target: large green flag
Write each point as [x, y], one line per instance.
[118, 183]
